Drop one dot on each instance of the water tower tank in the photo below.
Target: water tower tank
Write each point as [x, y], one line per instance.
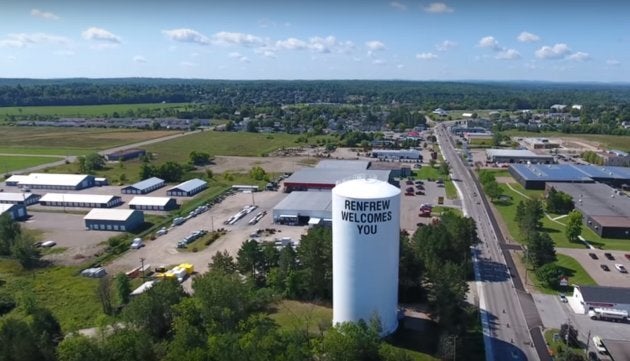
[366, 226]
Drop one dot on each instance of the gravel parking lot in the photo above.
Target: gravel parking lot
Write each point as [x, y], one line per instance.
[593, 266]
[68, 230]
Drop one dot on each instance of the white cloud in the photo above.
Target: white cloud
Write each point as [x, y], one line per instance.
[379, 62]
[400, 66]
[21, 40]
[185, 35]
[375, 45]
[445, 45]
[438, 8]
[139, 59]
[64, 52]
[426, 56]
[231, 38]
[398, 5]
[329, 44]
[613, 62]
[489, 42]
[291, 44]
[509, 54]
[239, 57]
[526, 37]
[579, 56]
[557, 51]
[44, 14]
[11, 58]
[266, 52]
[188, 64]
[100, 34]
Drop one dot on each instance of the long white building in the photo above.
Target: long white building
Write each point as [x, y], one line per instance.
[80, 200]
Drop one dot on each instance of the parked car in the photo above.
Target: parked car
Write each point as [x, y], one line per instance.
[409, 193]
[609, 256]
[419, 192]
[137, 243]
[605, 268]
[621, 268]
[48, 244]
[627, 255]
[409, 182]
[563, 298]
[161, 232]
[593, 255]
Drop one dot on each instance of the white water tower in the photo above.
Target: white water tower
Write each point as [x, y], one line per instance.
[366, 232]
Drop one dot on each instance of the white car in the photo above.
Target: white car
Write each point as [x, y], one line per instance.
[48, 244]
[621, 268]
[161, 232]
[137, 243]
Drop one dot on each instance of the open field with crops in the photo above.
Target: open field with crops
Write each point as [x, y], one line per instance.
[11, 163]
[82, 110]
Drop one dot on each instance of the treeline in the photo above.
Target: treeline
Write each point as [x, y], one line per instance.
[448, 95]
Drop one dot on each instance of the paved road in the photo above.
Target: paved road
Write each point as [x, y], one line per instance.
[502, 303]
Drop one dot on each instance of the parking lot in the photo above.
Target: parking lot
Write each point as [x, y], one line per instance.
[410, 205]
[593, 266]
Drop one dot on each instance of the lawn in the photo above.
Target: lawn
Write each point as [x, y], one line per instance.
[70, 297]
[609, 141]
[11, 163]
[437, 210]
[570, 268]
[82, 110]
[427, 172]
[556, 344]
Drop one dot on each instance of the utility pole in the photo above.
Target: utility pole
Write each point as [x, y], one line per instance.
[142, 269]
[588, 341]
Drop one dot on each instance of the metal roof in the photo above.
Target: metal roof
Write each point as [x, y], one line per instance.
[366, 189]
[147, 183]
[16, 196]
[5, 207]
[343, 164]
[72, 180]
[597, 199]
[108, 214]
[188, 186]
[601, 294]
[612, 221]
[516, 153]
[77, 198]
[618, 350]
[306, 201]
[550, 172]
[16, 178]
[333, 176]
[149, 201]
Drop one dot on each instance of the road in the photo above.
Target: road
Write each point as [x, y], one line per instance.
[507, 312]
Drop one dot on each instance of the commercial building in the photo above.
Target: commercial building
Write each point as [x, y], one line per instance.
[326, 179]
[120, 220]
[15, 179]
[188, 188]
[304, 207]
[24, 198]
[145, 186]
[461, 130]
[153, 203]
[343, 164]
[605, 210]
[52, 181]
[587, 298]
[517, 156]
[534, 176]
[80, 200]
[618, 350]
[479, 138]
[17, 212]
[125, 154]
[397, 154]
[541, 143]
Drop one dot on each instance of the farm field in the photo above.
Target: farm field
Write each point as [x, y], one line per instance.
[82, 110]
[11, 163]
[609, 141]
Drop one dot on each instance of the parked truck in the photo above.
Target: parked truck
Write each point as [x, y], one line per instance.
[608, 314]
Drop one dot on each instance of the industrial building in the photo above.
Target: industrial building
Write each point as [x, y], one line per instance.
[618, 350]
[534, 176]
[343, 164]
[52, 181]
[460, 130]
[125, 154]
[80, 200]
[304, 208]
[153, 203]
[145, 186]
[517, 156]
[24, 198]
[121, 220]
[326, 179]
[605, 210]
[586, 298]
[365, 252]
[476, 138]
[188, 188]
[541, 143]
[397, 154]
[17, 212]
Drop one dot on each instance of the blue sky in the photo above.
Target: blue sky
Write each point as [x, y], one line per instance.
[554, 40]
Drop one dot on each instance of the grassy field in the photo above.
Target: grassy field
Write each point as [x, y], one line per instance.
[70, 297]
[609, 141]
[82, 110]
[11, 163]
[570, 268]
[558, 344]
[69, 141]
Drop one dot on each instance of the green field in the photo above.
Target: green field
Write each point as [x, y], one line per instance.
[570, 268]
[609, 141]
[11, 163]
[82, 110]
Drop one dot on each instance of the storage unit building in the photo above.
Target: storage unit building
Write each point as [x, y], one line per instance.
[304, 207]
[121, 220]
[343, 164]
[14, 180]
[586, 298]
[153, 203]
[53, 181]
[145, 186]
[188, 188]
[397, 154]
[80, 200]
[15, 211]
[25, 198]
[534, 176]
[125, 154]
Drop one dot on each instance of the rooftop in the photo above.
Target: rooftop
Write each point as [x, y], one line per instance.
[516, 153]
[53, 179]
[597, 199]
[5, 207]
[569, 172]
[149, 201]
[108, 214]
[618, 350]
[333, 176]
[15, 196]
[149, 182]
[76, 198]
[601, 294]
[189, 185]
[307, 201]
[343, 164]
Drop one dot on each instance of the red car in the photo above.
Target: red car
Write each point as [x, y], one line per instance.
[409, 194]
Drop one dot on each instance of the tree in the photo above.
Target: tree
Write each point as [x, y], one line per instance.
[497, 139]
[444, 168]
[569, 334]
[123, 288]
[223, 262]
[574, 226]
[558, 202]
[257, 173]
[199, 158]
[315, 255]
[10, 230]
[17, 341]
[209, 174]
[47, 332]
[147, 170]
[24, 251]
[531, 219]
[540, 249]
[350, 342]
[91, 162]
[492, 189]
[104, 294]
[549, 275]
[170, 172]
[79, 348]
[249, 258]
[446, 291]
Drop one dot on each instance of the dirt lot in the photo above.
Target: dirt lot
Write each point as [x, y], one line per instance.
[269, 164]
[68, 230]
[592, 266]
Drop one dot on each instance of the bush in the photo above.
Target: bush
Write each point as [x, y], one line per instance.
[7, 303]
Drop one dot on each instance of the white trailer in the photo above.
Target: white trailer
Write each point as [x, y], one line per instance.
[608, 314]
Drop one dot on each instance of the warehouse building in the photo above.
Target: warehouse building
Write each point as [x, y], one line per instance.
[145, 186]
[52, 181]
[121, 220]
[188, 188]
[24, 198]
[17, 212]
[534, 176]
[479, 138]
[80, 200]
[343, 164]
[586, 298]
[125, 154]
[397, 154]
[541, 143]
[299, 208]
[15, 179]
[326, 179]
[605, 210]
[517, 156]
[153, 203]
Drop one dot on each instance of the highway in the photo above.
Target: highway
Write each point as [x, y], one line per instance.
[508, 318]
